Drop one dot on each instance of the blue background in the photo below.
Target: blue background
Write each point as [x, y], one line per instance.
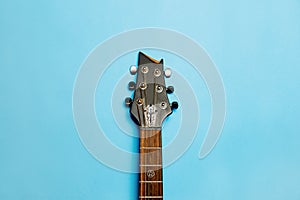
[255, 45]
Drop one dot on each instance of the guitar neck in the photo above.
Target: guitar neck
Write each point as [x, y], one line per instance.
[148, 109]
[151, 177]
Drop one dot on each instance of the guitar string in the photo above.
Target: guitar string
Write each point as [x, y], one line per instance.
[158, 137]
[144, 80]
[154, 102]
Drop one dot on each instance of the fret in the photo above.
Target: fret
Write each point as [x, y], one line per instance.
[150, 148]
[153, 197]
[150, 181]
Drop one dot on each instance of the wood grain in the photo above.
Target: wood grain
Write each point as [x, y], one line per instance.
[151, 177]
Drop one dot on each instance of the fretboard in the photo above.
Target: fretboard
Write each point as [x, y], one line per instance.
[150, 179]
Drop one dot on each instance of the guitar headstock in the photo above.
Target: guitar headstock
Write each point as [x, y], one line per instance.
[150, 105]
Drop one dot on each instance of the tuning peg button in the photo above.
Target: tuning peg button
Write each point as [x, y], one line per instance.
[174, 105]
[131, 85]
[168, 73]
[128, 102]
[170, 89]
[133, 69]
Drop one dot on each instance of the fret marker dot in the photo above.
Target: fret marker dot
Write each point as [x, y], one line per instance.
[150, 173]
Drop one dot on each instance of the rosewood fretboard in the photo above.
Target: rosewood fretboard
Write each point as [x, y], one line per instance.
[150, 179]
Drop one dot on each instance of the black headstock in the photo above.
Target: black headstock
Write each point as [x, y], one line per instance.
[150, 105]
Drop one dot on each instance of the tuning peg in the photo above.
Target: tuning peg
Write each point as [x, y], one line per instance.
[174, 105]
[128, 102]
[133, 69]
[168, 73]
[170, 89]
[131, 85]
